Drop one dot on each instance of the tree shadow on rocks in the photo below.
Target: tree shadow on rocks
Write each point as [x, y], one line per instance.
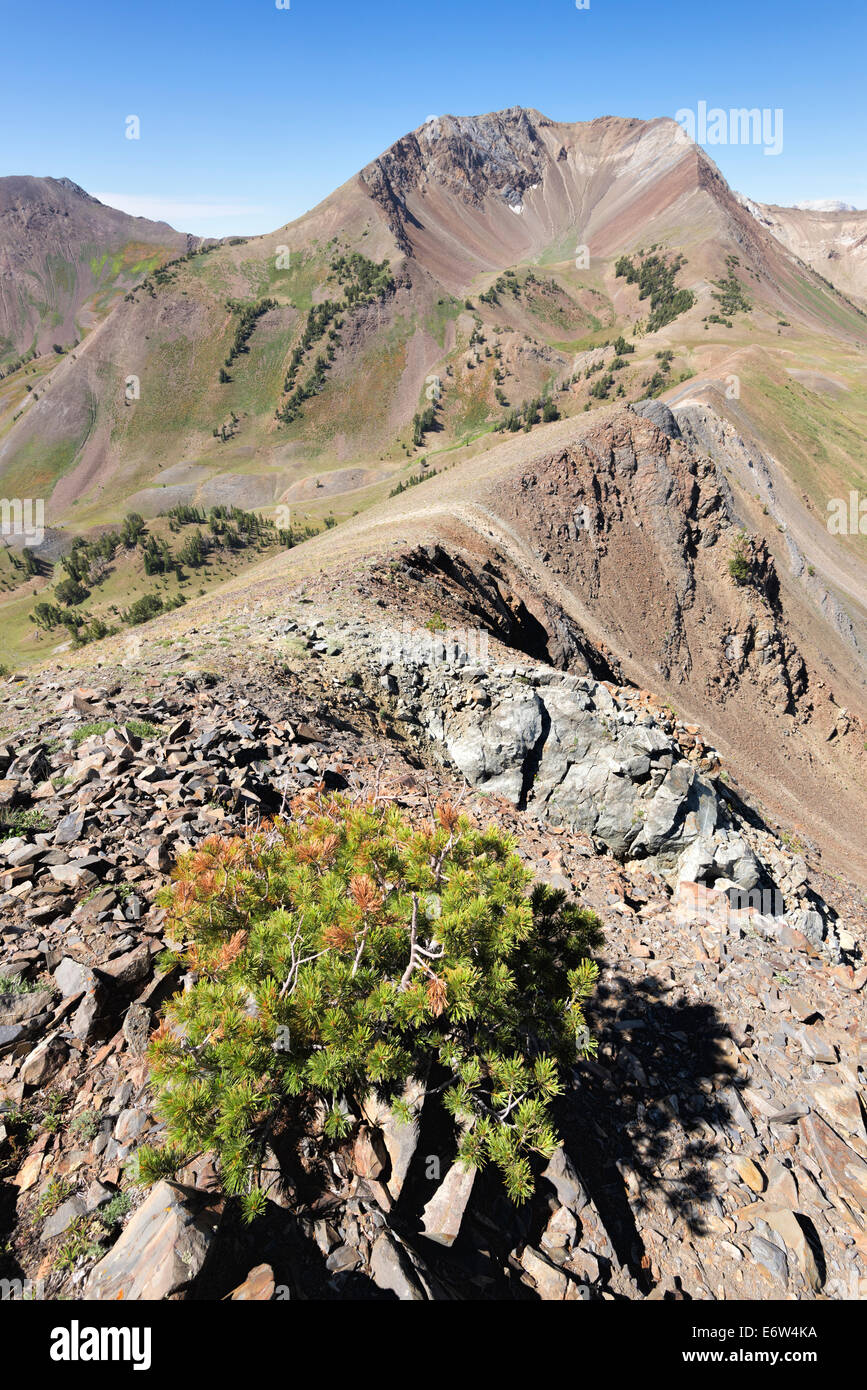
[10, 1268]
[285, 1240]
[644, 1120]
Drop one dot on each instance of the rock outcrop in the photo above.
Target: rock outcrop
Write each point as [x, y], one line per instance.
[722, 1110]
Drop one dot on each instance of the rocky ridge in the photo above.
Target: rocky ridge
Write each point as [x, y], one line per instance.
[715, 1148]
[601, 759]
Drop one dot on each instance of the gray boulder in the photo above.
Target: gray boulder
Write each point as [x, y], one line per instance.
[163, 1247]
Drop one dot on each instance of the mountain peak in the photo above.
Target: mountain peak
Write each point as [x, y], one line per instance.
[72, 187]
[468, 155]
[526, 179]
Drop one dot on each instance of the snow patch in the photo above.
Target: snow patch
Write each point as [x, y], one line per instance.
[825, 205]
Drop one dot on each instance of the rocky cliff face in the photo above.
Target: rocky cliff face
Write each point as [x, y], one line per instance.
[612, 183]
[468, 156]
[642, 526]
[706, 433]
[600, 758]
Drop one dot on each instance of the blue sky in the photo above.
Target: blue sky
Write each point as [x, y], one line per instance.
[250, 114]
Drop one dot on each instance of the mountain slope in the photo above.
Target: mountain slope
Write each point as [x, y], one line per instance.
[603, 546]
[833, 240]
[64, 258]
[436, 299]
[198, 736]
[617, 629]
[452, 208]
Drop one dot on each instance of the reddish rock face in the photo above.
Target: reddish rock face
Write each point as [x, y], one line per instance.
[846, 1169]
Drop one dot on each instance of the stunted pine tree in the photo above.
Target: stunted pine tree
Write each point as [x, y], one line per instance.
[343, 950]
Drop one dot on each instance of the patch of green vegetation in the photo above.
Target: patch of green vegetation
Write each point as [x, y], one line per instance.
[821, 437]
[19, 821]
[422, 423]
[550, 303]
[38, 465]
[248, 316]
[508, 283]
[89, 565]
[139, 728]
[792, 842]
[655, 276]
[293, 280]
[115, 1210]
[17, 984]
[740, 563]
[412, 481]
[150, 606]
[363, 282]
[600, 389]
[149, 1165]
[730, 295]
[60, 275]
[529, 413]
[829, 304]
[54, 1106]
[436, 321]
[55, 1194]
[80, 1242]
[14, 364]
[660, 381]
[424, 947]
[85, 1126]
[18, 1123]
